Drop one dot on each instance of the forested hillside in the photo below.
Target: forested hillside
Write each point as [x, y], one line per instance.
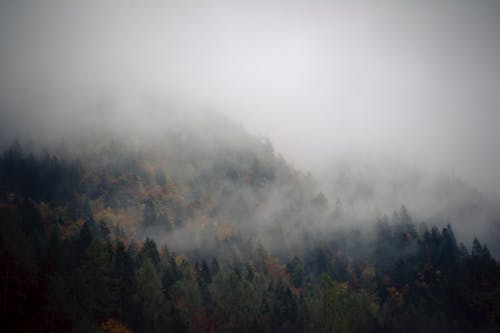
[264, 166]
[197, 232]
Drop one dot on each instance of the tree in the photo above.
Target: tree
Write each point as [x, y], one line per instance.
[284, 309]
[296, 271]
[188, 302]
[29, 218]
[98, 290]
[149, 214]
[114, 326]
[150, 251]
[342, 310]
[151, 297]
[236, 302]
[128, 307]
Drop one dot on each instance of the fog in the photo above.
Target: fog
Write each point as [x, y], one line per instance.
[359, 83]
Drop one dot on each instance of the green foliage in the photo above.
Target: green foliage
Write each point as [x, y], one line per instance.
[97, 288]
[151, 296]
[339, 309]
[61, 271]
[236, 302]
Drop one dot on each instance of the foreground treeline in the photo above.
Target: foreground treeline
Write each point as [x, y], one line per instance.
[67, 265]
[85, 282]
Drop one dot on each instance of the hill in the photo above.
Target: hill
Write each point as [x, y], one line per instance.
[197, 226]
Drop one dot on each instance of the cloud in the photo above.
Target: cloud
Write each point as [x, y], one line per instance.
[418, 81]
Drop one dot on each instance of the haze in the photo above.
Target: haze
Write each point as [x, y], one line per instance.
[415, 81]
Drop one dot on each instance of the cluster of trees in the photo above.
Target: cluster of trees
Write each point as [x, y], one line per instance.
[87, 282]
[63, 267]
[45, 178]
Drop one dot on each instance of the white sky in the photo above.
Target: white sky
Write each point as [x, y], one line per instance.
[419, 80]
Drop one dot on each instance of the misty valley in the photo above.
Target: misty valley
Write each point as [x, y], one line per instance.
[205, 228]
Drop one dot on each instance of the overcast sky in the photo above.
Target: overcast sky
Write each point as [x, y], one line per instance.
[419, 80]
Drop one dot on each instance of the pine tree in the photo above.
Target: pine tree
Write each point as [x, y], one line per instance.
[98, 290]
[150, 251]
[151, 296]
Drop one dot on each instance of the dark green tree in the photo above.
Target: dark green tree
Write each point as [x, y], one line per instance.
[97, 288]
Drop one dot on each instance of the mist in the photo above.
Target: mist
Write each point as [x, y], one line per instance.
[250, 166]
[413, 88]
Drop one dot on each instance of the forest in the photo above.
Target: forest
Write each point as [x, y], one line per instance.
[234, 239]
[267, 166]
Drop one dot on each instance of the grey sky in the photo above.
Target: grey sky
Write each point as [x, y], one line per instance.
[419, 80]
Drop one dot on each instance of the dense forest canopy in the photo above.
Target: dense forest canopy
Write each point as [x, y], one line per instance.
[194, 232]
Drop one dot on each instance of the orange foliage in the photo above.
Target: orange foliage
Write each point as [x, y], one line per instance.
[386, 279]
[276, 271]
[225, 231]
[395, 294]
[296, 291]
[114, 326]
[180, 303]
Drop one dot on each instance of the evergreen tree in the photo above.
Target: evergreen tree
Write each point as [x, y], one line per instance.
[151, 297]
[149, 214]
[98, 290]
[150, 251]
[236, 302]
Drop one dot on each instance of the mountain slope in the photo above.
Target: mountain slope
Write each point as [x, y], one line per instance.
[202, 227]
